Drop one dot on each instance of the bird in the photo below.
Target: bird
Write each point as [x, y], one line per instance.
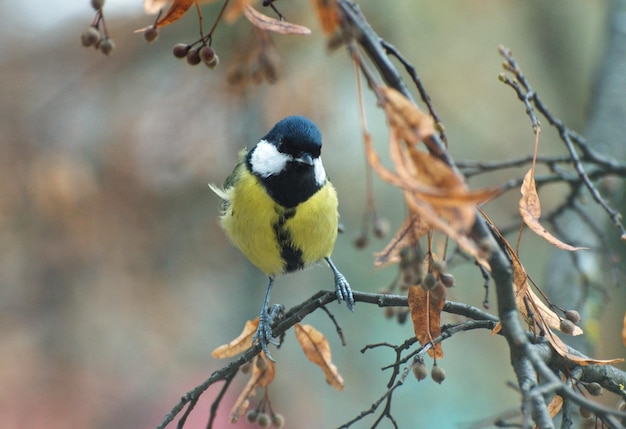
[280, 210]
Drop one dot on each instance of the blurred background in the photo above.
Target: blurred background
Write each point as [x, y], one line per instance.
[116, 282]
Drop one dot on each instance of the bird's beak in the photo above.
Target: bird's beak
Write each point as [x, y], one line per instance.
[304, 158]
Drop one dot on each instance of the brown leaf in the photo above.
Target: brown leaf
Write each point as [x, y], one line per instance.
[530, 210]
[175, 12]
[561, 348]
[236, 9]
[426, 316]
[555, 405]
[407, 235]
[262, 376]
[328, 15]
[267, 23]
[413, 124]
[317, 350]
[241, 343]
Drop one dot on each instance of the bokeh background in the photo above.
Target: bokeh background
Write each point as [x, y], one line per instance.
[116, 282]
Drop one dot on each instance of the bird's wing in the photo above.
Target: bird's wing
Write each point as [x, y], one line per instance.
[224, 192]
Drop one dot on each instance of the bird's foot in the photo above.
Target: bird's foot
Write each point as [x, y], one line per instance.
[264, 330]
[343, 290]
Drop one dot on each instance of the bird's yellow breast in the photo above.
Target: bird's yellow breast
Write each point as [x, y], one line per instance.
[267, 233]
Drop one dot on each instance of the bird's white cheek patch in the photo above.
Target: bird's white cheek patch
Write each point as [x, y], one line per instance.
[320, 173]
[266, 160]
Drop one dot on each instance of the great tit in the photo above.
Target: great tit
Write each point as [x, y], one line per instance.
[280, 210]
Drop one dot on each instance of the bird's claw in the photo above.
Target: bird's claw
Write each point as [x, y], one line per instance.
[264, 330]
[343, 290]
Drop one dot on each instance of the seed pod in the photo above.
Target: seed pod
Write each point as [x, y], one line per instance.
[213, 63]
[585, 413]
[402, 315]
[252, 415]
[263, 420]
[206, 53]
[447, 279]
[420, 371]
[390, 312]
[278, 420]
[180, 50]
[566, 326]
[90, 36]
[381, 227]
[150, 34]
[193, 58]
[573, 316]
[439, 291]
[106, 46]
[430, 281]
[594, 388]
[438, 266]
[97, 4]
[437, 374]
[621, 406]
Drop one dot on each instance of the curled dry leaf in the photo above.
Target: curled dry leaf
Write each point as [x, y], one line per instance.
[555, 405]
[412, 124]
[316, 348]
[327, 14]
[426, 315]
[241, 343]
[267, 23]
[258, 378]
[530, 210]
[561, 348]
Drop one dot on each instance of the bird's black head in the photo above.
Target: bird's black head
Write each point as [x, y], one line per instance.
[287, 161]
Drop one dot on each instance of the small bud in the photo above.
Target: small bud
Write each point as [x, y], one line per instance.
[90, 36]
[180, 50]
[420, 371]
[245, 368]
[361, 241]
[381, 227]
[252, 415]
[278, 420]
[447, 279]
[193, 58]
[150, 34]
[261, 363]
[263, 420]
[97, 4]
[430, 281]
[594, 389]
[573, 316]
[437, 374]
[566, 326]
[106, 46]
[213, 63]
[206, 53]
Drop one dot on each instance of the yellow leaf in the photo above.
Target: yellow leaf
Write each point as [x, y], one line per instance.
[267, 23]
[530, 210]
[426, 315]
[241, 343]
[317, 350]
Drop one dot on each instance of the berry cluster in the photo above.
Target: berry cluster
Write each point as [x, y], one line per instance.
[194, 56]
[263, 415]
[96, 34]
[420, 371]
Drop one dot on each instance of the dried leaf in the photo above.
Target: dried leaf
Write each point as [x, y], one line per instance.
[236, 9]
[175, 12]
[317, 350]
[259, 378]
[267, 23]
[328, 15]
[413, 124]
[555, 405]
[426, 314]
[561, 348]
[407, 235]
[241, 343]
[530, 210]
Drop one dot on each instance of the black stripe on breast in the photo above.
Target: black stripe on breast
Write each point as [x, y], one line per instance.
[290, 254]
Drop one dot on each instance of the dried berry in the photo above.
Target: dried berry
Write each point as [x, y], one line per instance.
[180, 50]
[390, 312]
[90, 36]
[437, 374]
[263, 420]
[278, 420]
[594, 389]
[573, 316]
[381, 227]
[97, 4]
[261, 363]
[402, 315]
[438, 266]
[447, 279]
[361, 241]
[420, 371]
[106, 46]
[193, 58]
[585, 413]
[252, 415]
[213, 63]
[430, 281]
[566, 326]
[206, 53]
[439, 291]
[150, 34]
